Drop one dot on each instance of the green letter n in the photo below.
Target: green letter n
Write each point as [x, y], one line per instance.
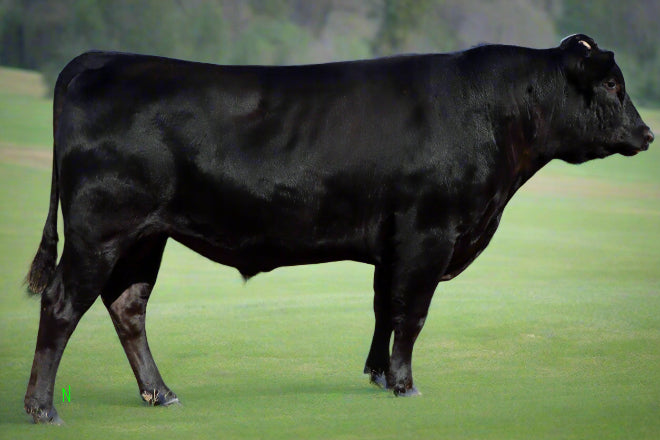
[66, 395]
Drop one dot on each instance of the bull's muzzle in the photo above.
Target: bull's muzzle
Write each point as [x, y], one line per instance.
[648, 137]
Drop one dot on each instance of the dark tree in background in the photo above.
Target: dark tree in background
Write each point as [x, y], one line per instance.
[399, 18]
[43, 35]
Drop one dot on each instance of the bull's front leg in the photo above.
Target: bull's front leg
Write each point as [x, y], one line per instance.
[409, 309]
[414, 280]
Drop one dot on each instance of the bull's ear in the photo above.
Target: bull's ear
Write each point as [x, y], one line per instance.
[578, 42]
[583, 61]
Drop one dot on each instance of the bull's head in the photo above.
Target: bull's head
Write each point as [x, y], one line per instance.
[597, 117]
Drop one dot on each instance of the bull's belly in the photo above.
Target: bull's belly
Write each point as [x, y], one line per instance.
[251, 255]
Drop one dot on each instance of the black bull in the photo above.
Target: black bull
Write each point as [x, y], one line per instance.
[405, 163]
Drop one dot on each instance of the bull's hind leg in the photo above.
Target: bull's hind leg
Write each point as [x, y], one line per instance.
[378, 360]
[125, 296]
[74, 288]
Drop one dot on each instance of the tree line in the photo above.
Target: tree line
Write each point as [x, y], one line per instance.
[44, 35]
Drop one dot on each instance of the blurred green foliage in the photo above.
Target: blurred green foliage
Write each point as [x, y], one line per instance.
[43, 35]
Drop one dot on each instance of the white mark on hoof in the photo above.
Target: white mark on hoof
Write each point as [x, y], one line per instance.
[174, 401]
[170, 399]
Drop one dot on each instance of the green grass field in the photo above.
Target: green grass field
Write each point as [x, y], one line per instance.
[553, 333]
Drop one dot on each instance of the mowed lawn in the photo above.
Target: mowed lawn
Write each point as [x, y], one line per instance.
[553, 333]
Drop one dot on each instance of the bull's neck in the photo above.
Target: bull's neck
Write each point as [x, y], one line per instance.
[521, 118]
[523, 147]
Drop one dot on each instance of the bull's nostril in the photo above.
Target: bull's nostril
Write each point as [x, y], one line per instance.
[648, 136]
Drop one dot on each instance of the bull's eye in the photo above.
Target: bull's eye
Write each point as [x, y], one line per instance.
[610, 85]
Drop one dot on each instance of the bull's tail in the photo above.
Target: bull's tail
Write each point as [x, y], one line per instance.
[43, 266]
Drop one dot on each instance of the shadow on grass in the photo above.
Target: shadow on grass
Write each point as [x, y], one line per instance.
[281, 387]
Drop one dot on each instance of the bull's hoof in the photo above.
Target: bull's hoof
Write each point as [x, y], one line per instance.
[410, 392]
[377, 377]
[158, 398]
[42, 416]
